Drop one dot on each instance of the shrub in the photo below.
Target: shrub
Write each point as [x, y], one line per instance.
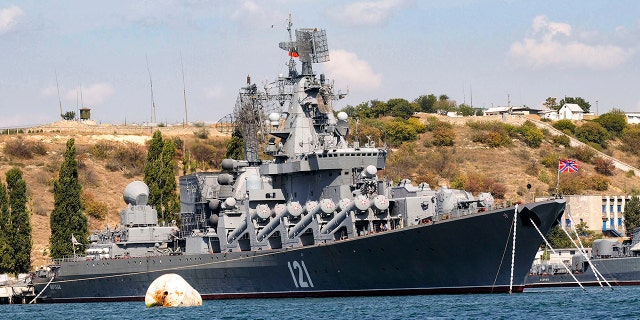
[92, 207]
[494, 134]
[102, 149]
[202, 133]
[396, 132]
[132, 158]
[630, 139]
[592, 132]
[420, 127]
[18, 148]
[597, 182]
[486, 125]
[530, 134]
[570, 183]
[565, 126]
[444, 136]
[208, 155]
[582, 153]
[550, 161]
[532, 168]
[614, 122]
[178, 143]
[478, 182]
[128, 158]
[39, 148]
[544, 176]
[630, 173]
[561, 140]
[89, 177]
[459, 182]
[604, 166]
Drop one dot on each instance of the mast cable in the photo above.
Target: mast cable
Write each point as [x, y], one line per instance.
[513, 246]
[554, 252]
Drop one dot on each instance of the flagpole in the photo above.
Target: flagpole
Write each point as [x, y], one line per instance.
[558, 181]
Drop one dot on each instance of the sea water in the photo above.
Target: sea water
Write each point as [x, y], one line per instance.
[557, 303]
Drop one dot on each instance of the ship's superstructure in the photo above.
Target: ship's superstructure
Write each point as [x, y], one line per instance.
[612, 260]
[314, 220]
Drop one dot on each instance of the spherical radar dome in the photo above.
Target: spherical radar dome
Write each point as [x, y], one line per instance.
[136, 193]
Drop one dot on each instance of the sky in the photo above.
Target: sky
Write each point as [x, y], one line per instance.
[107, 55]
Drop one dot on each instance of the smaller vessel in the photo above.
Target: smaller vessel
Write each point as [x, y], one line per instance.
[617, 259]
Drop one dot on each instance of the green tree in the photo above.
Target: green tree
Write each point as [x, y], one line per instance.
[558, 239]
[632, 214]
[614, 121]
[67, 218]
[379, 109]
[360, 111]
[466, 110]
[152, 169]
[444, 104]
[400, 108]
[69, 115]
[584, 104]
[159, 176]
[6, 249]
[235, 146]
[395, 132]
[427, 103]
[20, 221]
[551, 103]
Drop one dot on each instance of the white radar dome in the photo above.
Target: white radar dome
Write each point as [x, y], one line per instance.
[136, 193]
[342, 116]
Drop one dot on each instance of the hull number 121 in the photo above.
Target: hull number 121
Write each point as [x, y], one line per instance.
[299, 274]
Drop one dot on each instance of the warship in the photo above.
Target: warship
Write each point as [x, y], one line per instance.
[616, 261]
[313, 220]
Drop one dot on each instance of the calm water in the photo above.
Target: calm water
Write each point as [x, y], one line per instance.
[563, 303]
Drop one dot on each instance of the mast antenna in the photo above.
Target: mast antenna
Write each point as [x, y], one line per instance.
[58, 88]
[184, 92]
[153, 102]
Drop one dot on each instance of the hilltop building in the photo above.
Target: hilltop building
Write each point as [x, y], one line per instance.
[603, 213]
[570, 111]
[633, 117]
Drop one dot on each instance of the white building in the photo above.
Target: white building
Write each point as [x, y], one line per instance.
[548, 113]
[570, 111]
[633, 117]
[496, 111]
[600, 212]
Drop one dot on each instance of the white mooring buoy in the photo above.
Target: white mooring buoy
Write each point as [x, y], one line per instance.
[171, 290]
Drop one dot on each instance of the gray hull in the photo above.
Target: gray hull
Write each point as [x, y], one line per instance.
[471, 254]
[617, 271]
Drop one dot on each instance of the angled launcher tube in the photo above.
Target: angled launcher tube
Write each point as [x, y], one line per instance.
[312, 208]
[237, 232]
[282, 211]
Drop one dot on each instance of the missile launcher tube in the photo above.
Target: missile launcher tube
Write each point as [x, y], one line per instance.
[281, 212]
[237, 232]
[312, 208]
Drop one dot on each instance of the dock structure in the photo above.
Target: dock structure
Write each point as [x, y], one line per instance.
[16, 290]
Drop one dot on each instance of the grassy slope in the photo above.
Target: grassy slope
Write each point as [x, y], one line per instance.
[505, 165]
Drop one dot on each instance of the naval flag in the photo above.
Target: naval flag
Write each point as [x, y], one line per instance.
[74, 241]
[566, 165]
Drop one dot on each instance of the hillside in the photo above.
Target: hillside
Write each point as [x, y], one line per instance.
[514, 167]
